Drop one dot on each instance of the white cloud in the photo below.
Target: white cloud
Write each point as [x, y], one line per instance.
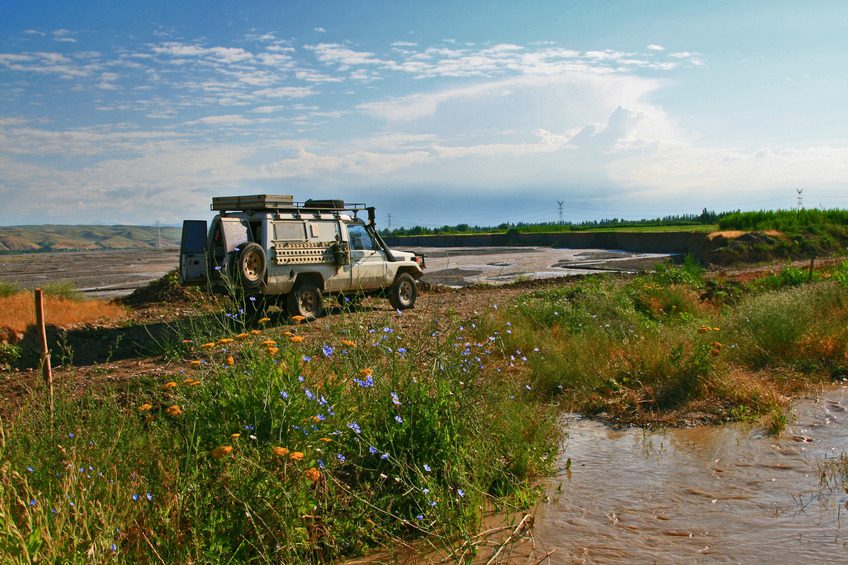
[655, 47]
[333, 53]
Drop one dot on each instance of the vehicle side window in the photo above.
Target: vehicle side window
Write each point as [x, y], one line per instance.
[290, 231]
[359, 237]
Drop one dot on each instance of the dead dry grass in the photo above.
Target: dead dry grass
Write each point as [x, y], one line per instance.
[17, 312]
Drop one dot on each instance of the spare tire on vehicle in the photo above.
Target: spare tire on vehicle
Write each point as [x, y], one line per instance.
[251, 266]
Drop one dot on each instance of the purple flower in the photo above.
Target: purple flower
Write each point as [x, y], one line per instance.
[327, 350]
[460, 492]
[373, 450]
[341, 457]
[395, 399]
[355, 427]
[427, 468]
[399, 419]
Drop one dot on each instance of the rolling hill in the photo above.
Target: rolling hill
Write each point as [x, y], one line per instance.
[67, 238]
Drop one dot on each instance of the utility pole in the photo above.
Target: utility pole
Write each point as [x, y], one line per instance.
[158, 236]
[800, 198]
[560, 202]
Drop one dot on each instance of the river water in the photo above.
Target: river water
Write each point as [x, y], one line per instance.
[713, 494]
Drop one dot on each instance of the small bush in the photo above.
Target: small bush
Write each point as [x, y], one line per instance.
[9, 289]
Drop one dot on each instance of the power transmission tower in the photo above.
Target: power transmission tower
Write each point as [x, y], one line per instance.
[390, 222]
[158, 236]
[800, 198]
[560, 202]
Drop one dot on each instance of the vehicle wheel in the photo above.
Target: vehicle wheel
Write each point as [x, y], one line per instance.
[251, 265]
[305, 300]
[403, 293]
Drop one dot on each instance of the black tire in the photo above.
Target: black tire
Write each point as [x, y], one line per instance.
[251, 266]
[403, 292]
[305, 300]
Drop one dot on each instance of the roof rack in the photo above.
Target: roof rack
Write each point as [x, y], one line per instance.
[275, 202]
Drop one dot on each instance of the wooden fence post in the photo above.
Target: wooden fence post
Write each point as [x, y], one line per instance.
[46, 371]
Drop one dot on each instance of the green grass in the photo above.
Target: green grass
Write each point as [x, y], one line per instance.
[649, 349]
[314, 451]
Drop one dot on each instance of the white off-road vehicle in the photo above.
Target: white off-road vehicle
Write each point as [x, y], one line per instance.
[293, 253]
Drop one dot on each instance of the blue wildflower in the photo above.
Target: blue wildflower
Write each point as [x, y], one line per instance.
[427, 468]
[399, 419]
[395, 399]
[460, 492]
[355, 427]
[327, 350]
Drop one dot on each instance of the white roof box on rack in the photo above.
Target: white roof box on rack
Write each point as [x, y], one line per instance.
[253, 202]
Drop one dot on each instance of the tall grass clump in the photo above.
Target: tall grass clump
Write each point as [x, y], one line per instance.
[803, 328]
[279, 446]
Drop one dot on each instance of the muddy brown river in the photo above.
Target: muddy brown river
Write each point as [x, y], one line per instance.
[712, 494]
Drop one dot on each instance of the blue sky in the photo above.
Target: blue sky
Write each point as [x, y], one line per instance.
[436, 112]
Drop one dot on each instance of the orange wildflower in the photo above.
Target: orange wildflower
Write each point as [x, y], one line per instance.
[173, 411]
[312, 474]
[296, 456]
[280, 451]
[221, 452]
[169, 385]
[297, 319]
[296, 339]
[144, 407]
[242, 335]
[230, 361]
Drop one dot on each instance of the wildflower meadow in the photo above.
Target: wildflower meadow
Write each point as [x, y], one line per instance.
[274, 441]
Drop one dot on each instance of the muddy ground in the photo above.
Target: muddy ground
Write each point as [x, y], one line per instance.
[112, 273]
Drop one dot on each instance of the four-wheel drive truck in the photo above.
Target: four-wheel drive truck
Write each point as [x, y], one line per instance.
[292, 253]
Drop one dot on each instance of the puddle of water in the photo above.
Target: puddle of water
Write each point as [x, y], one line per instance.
[700, 495]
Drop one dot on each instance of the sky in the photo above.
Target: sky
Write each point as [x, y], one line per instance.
[437, 112]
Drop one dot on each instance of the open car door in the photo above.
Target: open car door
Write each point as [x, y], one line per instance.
[193, 253]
